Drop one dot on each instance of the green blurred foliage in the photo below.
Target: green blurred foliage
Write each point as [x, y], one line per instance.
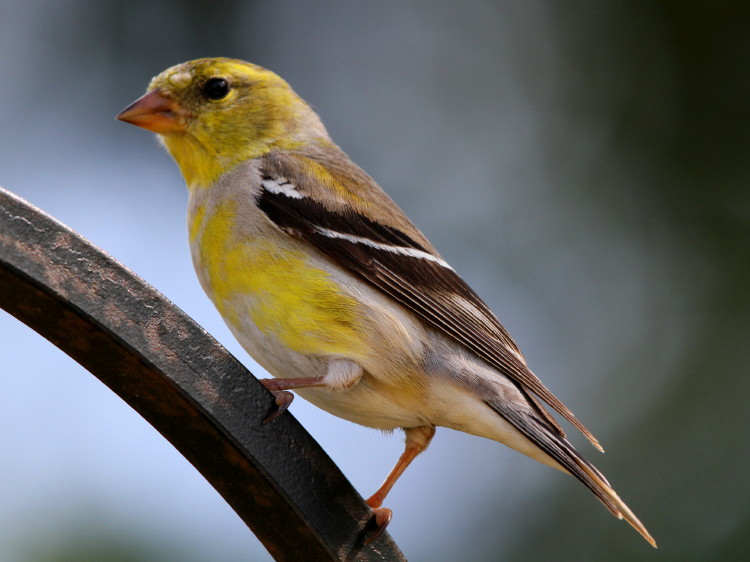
[681, 131]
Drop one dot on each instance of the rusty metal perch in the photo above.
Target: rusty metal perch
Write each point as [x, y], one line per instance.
[199, 397]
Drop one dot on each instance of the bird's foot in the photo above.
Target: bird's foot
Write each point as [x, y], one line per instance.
[279, 387]
[381, 516]
[283, 400]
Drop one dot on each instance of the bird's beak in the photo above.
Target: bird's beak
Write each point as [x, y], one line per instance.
[155, 112]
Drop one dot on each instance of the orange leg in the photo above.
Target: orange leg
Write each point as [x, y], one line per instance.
[417, 440]
[279, 388]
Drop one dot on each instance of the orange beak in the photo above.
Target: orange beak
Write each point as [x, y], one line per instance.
[155, 112]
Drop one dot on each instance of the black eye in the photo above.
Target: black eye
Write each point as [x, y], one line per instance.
[216, 88]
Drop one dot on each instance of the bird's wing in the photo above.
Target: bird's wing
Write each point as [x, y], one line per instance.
[402, 265]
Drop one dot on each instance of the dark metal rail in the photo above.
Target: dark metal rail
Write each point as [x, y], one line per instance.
[199, 397]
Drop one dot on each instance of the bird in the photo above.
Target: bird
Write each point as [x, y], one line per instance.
[330, 287]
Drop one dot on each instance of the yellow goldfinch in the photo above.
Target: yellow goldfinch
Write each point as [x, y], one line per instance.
[330, 287]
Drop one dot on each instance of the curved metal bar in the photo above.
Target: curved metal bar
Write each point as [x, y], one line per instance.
[199, 397]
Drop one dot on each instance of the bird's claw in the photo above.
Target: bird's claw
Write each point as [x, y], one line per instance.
[283, 399]
[381, 517]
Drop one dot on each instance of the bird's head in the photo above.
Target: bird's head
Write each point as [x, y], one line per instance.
[211, 114]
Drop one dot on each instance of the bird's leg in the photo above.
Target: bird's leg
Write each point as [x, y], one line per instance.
[417, 440]
[280, 387]
[340, 375]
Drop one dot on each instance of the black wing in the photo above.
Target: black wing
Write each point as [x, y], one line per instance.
[406, 270]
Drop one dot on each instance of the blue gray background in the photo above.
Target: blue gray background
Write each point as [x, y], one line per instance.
[584, 165]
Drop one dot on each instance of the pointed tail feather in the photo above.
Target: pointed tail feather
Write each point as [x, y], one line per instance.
[557, 447]
[623, 511]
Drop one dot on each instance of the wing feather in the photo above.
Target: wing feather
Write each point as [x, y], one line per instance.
[404, 266]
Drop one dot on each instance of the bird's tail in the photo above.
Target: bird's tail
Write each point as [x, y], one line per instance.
[550, 440]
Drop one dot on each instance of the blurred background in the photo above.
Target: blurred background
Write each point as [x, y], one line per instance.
[584, 165]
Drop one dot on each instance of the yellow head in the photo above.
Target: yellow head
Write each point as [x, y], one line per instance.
[211, 114]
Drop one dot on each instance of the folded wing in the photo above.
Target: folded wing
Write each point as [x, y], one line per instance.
[398, 261]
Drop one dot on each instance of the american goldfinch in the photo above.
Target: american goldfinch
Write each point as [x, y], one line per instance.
[331, 288]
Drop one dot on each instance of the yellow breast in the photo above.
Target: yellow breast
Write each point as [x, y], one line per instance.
[274, 283]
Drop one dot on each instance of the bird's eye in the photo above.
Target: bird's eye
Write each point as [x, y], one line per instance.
[216, 88]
